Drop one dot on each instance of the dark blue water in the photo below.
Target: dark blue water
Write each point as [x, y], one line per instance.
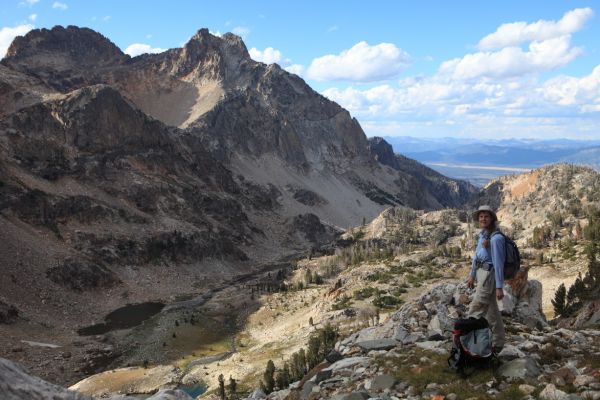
[193, 390]
[122, 318]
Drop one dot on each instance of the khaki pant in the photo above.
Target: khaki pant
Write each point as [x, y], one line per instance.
[484, 305]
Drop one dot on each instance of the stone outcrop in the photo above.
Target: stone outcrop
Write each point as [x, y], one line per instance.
[8, 313]
[384, 361]
[16, 384]
[451, 192]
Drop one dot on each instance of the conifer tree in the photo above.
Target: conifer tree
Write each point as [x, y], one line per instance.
[560, 298]
[286, 374]
[302, 361]
[221, 387]
[294, 370]
[268, 377]
[314, 345]
[279, 381]
[232, 388]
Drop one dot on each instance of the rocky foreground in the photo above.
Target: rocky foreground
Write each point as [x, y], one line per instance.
[405, 358]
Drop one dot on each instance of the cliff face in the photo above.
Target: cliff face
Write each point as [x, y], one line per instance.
[237, 108]
[124, 180]
[448, 192]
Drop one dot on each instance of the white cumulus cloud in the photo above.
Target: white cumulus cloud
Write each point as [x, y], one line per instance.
[297, 69]
[32, 17]
[267, 56]
[136, 49]
[583, 93]
[362, 62]
[29, 2]
[241, 31]
[270, 55]
[8, 34]
[515, 33]
[513, 61]
[59, 6]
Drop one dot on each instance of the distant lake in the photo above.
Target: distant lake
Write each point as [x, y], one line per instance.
[478, 175]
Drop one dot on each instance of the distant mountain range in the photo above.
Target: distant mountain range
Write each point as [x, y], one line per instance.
[525, 153]
[479, 161]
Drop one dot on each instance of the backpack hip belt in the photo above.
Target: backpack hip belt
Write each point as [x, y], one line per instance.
[484, 266]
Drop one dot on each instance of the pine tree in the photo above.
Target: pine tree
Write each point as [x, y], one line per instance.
[286, 374]
[232, 388]
[314, 345]
[302, 361]
[294, 370]
[221, 387]
[279, 381]
[268, 377]
[559, 301]
[308, 278]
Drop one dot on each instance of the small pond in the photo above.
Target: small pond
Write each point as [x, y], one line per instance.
[123, 318]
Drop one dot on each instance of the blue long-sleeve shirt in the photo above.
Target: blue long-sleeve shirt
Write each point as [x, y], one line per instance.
[496, 258]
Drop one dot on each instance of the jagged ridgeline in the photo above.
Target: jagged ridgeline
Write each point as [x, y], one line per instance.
[127, 180]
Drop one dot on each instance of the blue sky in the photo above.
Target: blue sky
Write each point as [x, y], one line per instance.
[429, 68]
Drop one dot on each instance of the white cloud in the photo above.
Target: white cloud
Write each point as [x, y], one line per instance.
[106, 18]
[267, 56]
[333, 28]
[136, 49]
[583, 93]
[241, 31]
[8, 34]
[59, 6]
[495, 92]
[295, 69]
[522, 106]
[513, 61]
[29, 2]
[362, 62]
[515, 33]
[271, 55]
[32, 17]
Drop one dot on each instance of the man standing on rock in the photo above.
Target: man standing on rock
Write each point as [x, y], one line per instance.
[488, 272]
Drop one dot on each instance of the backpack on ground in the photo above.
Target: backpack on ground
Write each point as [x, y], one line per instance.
[471, 346]
[512, 263]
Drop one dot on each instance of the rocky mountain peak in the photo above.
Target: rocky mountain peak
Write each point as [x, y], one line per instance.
[213, 56]
[383, 151]
[62, 47]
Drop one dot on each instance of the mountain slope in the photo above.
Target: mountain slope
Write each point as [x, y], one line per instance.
[127, 180]
[237, 108]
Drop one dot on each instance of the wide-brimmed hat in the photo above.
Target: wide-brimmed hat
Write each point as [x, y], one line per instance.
[484, 208]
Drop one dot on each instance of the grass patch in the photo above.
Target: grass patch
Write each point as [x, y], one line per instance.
[592, 360]
[511, 393]
[342, 302]
[380, 276]
[550, 354]
[419, 368]
[463, 391]
[365, 293]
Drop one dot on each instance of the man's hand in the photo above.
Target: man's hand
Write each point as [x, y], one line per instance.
[470, 282]
[499, 294]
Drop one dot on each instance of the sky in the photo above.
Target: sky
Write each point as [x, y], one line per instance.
[493, 69]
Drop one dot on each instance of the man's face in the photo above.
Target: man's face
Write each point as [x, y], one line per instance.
[485, 219]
